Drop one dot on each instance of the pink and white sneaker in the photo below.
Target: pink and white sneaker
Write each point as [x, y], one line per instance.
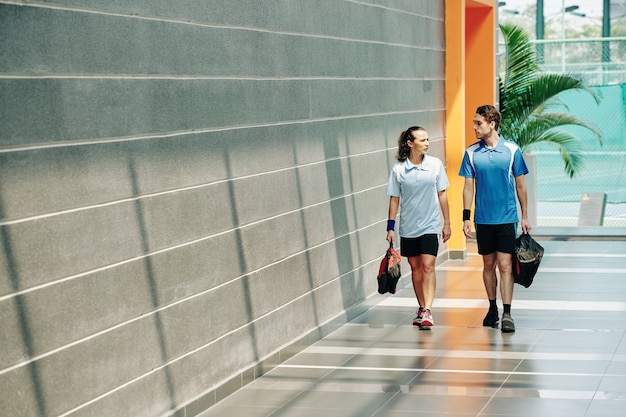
[417, 321]
[427, 319]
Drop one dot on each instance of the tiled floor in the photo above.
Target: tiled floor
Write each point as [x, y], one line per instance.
[566, 359]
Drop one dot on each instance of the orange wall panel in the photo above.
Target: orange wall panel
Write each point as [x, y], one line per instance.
[455, 116]
[480, 44]
[470, 82]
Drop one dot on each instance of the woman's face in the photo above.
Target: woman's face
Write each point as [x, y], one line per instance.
[419, 143]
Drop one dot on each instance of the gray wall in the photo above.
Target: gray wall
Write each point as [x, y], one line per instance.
[190, 190]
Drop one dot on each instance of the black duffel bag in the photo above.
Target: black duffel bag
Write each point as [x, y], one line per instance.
[526, 260]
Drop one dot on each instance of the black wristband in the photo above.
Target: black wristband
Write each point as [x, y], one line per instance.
[466, 214]
[391, 225]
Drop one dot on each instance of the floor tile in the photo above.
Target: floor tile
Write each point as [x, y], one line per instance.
[535, 407]
[567, 357]
[541, 381]
[451, 405]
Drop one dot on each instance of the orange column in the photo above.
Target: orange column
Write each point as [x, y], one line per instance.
[480, 44]
[455, 118]
[470, 82]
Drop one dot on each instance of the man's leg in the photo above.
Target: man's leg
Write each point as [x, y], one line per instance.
[490, 280]
[489, 275]
[505, 267]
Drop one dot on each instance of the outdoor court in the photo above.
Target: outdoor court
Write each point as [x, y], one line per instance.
[604, 167]
[559, 196]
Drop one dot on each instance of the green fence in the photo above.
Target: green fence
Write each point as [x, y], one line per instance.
[604, 168]
[602, 64]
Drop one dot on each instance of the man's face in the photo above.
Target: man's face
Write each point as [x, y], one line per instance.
[482, 128]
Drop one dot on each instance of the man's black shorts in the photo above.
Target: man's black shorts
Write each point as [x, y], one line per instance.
[495, 238]
[427, 244]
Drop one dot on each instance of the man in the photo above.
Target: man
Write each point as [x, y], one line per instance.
[495, 169]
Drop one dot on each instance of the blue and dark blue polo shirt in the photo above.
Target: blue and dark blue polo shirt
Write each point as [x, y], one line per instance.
[494, 171]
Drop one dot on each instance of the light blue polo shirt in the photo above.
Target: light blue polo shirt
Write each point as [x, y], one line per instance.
[494, 171]
[418, 189]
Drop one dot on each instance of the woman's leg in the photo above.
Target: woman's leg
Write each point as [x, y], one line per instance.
[417, 276]
[429, 279]
[424, 285]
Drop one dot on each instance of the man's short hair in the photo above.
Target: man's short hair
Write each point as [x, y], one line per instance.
[490, 113]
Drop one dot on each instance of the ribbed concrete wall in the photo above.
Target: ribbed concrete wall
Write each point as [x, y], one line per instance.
[188, 188]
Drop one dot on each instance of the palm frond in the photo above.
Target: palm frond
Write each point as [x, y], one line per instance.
[521, 66]
[526, 94]
[542, 128]
[569, 146]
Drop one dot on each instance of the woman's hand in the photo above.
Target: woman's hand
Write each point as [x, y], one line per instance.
[446, 232]
[390, 236]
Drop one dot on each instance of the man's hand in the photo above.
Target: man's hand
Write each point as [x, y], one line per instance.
[467, 229]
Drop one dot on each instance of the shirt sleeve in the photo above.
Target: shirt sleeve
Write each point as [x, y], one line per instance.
[519, 165]
[393, 186]
[442, 178]
[466, 169]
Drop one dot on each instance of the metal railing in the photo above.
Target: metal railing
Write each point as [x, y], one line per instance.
[601, 61]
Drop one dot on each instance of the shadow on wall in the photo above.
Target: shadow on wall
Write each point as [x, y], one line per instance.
[337, 168]
[243, 266]
[154, 296]
[22, 315]
[307, 242]
[339, 214]
[346, 256]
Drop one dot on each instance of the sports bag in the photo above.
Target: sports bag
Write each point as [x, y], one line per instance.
[389, 272]
[526, 260]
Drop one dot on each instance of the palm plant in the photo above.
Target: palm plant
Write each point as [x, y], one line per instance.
[525, 95]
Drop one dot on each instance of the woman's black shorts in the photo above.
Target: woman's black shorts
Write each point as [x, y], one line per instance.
[427, 244]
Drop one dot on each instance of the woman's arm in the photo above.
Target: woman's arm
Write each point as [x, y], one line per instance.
[394, 203]
[446, 231]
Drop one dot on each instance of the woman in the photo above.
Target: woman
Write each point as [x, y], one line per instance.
[417, 184]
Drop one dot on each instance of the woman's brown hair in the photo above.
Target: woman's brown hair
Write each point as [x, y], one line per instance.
[403, 147]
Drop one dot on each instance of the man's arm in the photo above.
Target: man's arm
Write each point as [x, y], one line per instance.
[468, 197]
[522, 196]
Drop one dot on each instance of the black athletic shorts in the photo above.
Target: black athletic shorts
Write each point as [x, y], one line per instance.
[495, 238]
[427, 244]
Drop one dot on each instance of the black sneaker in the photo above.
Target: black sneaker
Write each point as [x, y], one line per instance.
[491, 319]
[508, 325]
